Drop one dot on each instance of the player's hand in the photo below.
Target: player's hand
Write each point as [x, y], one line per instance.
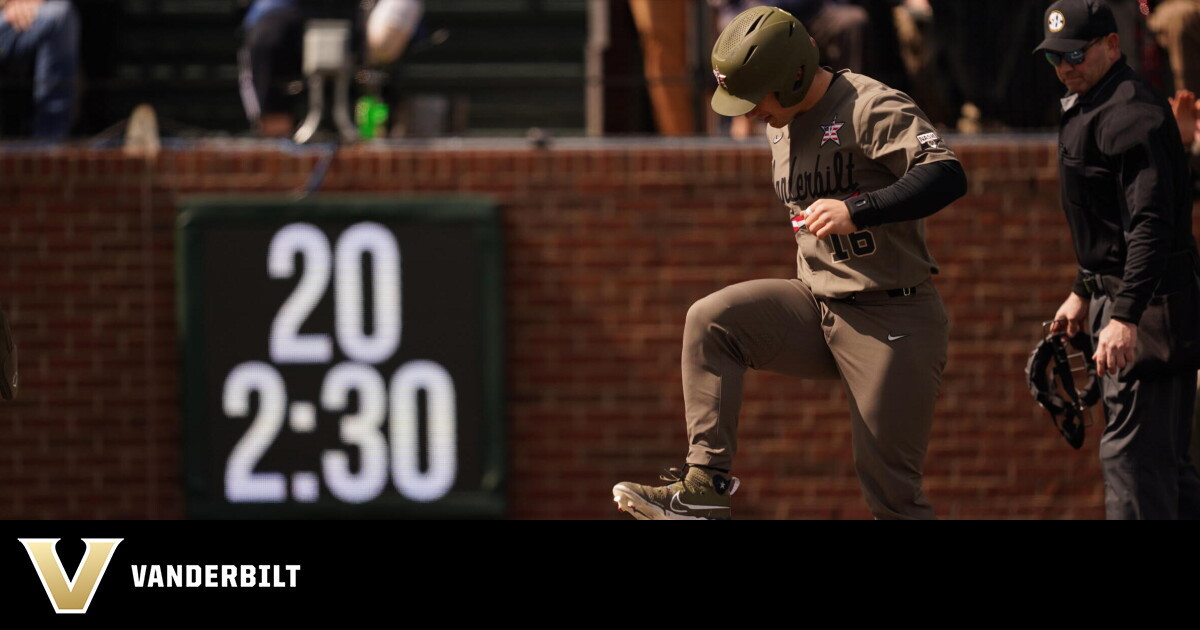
[1070, 316]
[1115, 347]
[829, 216]
[21, 13]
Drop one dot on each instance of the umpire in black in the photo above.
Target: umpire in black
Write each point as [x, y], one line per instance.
[1127, 196]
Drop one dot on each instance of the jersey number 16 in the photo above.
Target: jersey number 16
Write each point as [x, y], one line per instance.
[861, 244]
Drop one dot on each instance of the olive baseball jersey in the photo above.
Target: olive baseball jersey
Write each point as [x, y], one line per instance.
[860, 137]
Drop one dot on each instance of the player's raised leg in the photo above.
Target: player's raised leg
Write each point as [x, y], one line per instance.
[772, 325]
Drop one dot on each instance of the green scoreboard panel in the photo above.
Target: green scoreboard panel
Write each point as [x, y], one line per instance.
[341, 358]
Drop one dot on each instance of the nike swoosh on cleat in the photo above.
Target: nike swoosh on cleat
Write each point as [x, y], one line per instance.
[685, 506]
[896, 337]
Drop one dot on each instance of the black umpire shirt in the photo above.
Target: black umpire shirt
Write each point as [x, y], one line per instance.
[1126, 188]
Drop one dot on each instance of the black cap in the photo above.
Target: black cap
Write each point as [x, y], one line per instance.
[1071, 24]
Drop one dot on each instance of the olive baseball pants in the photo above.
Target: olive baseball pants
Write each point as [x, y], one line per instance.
[889, 353]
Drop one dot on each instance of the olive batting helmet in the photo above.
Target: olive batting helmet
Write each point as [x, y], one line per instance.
[763, 50]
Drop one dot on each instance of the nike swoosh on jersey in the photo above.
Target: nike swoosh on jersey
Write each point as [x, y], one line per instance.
[685, 506]
[777, 139]
[896, 337]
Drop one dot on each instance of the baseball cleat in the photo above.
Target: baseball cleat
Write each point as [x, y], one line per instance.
[694, 494]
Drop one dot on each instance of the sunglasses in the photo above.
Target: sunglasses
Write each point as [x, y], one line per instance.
[1075, 57]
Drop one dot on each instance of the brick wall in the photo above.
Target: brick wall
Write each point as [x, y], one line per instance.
[607, 248]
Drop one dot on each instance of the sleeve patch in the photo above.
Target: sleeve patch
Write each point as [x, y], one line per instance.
[929, 140]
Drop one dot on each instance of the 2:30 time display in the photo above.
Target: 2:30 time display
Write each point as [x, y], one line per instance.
[393, 403]
[342, 358]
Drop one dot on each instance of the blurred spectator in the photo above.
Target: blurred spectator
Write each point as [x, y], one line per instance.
[390, 28]
[1138, 44]
[1187, 116]
[46, 31]
[272, 56]
[841, 29]
[881, 48]
[977, 76]
[1176, 25]
[662, 27]
[913, 22]
[1129, 20]
[838, 26]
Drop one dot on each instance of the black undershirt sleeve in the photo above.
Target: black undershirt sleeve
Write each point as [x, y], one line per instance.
[922, 191]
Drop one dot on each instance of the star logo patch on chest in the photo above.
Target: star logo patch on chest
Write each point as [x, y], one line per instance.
[831, 132]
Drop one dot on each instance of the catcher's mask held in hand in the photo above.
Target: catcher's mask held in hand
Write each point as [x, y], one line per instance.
[1052, 381]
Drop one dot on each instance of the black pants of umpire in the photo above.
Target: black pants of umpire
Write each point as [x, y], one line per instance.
[1144, 450]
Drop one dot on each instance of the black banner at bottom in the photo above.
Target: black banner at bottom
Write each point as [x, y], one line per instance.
[239, 571]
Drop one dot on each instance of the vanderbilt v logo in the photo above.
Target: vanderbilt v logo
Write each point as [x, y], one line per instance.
[72, 596]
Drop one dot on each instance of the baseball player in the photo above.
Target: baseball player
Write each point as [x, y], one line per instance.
[858, 166]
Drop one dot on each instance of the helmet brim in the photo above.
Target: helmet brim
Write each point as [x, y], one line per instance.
[727, 104]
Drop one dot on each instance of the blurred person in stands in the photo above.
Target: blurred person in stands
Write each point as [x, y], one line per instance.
[838, 26]
[1138, 42]
[662, 27]
[913, 24]
[390, 28]
[993, 92]
[273, 53]
[1187, 117]
[1176, 25]
[841, 29]
[269, 59]
[48, 32]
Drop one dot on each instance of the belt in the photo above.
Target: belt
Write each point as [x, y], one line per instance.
[1095, 284]
[892, 293]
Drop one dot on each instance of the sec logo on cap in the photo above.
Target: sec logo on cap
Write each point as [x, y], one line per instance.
[1056, 21]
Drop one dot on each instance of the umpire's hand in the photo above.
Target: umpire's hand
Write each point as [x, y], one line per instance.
[1070, 316]
[1115, 347]
[829, 216]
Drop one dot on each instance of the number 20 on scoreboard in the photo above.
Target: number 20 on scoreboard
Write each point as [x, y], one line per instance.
[341, 358]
